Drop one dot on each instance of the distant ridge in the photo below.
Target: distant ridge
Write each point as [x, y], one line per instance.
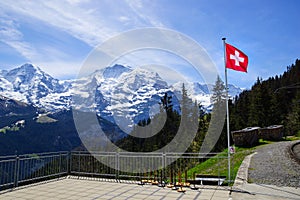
[131, 90]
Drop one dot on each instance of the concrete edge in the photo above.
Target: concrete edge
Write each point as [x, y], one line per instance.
[242, 174]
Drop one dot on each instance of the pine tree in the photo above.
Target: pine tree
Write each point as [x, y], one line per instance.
[215, 131]
[189, 120]
[293, 117]
[203, 123]
[219, 94]
[256, 114]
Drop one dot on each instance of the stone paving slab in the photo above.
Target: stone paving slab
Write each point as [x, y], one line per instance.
[73, 188]
[70, 188]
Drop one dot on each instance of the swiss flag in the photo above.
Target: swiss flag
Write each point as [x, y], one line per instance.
[236, 59]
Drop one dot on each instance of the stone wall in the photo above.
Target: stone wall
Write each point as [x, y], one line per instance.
[249, 137]
[274, 133]
[246, 137]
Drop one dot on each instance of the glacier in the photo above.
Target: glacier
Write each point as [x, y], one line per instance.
[116, 93]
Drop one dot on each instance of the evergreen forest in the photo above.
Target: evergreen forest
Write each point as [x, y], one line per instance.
[275, 101]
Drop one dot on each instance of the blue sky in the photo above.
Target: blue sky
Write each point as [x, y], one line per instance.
[58, 35]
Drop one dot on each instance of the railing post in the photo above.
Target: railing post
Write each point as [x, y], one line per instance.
[17, 171]
[79, 164]
[117, 166]
[163, 167]
[69, 162]
[60, 163]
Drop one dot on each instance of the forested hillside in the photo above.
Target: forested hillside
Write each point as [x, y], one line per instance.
[272, 101]
[269, 102]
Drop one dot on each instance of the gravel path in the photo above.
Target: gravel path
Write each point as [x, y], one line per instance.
[273, 165]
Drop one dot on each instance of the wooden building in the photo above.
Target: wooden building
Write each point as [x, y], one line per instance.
[274, 132]
[246, 137]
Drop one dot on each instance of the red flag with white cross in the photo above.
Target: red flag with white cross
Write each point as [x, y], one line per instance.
[236, 59]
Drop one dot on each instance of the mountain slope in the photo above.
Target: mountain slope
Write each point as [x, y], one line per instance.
[30, 84]
[115, 93]
[123, 96]
[26, 134]
[10, 107]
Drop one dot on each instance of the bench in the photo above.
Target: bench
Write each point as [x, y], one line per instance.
[209, 179]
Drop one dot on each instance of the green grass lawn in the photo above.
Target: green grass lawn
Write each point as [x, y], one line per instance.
[218, 165]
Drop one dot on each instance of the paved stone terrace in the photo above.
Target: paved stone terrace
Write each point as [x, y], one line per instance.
[85, 189]
[93, 189]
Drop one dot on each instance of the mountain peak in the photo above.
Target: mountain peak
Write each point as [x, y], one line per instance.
[28, 83]
[115, 71]
[26, 70]
[28, 67]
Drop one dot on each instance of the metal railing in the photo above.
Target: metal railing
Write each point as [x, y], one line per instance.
[87, 164]
[29, 168]
[117, 166]
[167, 167]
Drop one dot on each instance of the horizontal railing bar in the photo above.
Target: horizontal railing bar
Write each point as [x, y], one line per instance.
[4, 161]
[88, 173]
[129, 176]
[141, 153]
[6, 184]
[33, 154]
[45, 153]
[40, 158]
[8, 157]
[92, 152]
[193, 157]
[111, 153]
[133, 156]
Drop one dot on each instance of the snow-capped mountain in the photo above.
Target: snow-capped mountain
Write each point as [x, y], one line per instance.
[118, 93]
[233, 90]
[31, 85]
[115, 71]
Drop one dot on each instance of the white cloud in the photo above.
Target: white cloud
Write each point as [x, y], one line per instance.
[123, 19]
[144, 12]
[10, 35]
[87, 22]
[8, 29]
[90, 22]
[70, 18]
[23, 48]
[76, 2]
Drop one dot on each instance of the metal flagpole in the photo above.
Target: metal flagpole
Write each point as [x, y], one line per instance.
[227, 113]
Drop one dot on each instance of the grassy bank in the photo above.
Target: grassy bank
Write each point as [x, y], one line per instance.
[218, 165]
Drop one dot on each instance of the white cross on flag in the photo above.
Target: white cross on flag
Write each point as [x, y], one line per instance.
[236, 59]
